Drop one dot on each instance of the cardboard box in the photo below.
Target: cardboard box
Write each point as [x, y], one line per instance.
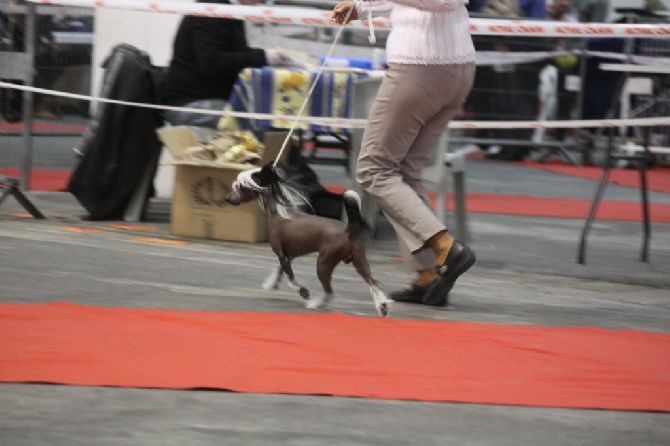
[198, 206]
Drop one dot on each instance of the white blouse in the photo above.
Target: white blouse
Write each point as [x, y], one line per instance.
[424, 32]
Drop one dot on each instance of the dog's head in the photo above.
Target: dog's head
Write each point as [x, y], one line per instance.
[239, 196]
[250, 185]
[272, 187]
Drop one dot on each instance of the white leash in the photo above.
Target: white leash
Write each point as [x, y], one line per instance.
[311, 88]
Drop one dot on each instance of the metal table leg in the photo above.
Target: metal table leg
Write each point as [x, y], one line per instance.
[581, 258]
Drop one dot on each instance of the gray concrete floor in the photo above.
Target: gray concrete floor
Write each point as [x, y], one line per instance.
[526, 274]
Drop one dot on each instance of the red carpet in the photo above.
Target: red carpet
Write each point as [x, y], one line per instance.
[335, 354]
[562, 207]
[56, 180]
[42, 127]
[658, 179]
[43, 179]
[529, 205]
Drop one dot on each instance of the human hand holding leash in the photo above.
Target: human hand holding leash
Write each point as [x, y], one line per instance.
[344, 12]
[276, 58]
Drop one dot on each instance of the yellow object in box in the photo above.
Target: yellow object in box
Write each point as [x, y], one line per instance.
[233, 153]
[249, 141]
[198, 205]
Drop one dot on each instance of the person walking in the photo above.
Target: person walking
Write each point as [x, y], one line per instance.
[431, 70]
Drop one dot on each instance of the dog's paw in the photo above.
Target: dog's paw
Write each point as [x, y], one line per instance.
[313, 304]
[382, 303]
[270, 285]
[302, 291]
[318, 302]
[384, 308]
[273, 280]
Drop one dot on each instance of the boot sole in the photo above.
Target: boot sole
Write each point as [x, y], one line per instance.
[408, 298]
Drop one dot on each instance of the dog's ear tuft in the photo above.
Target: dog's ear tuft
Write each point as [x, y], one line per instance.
[264, 176]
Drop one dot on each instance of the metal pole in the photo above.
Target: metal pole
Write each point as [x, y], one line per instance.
[459, 206]
[583, 60]
[26, 164]
[646, 226]
[586, 143]
[441, 197]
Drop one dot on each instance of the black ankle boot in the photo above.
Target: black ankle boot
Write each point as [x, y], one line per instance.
[458, 261]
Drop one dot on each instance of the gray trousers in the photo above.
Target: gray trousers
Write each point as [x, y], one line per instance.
[411, 110]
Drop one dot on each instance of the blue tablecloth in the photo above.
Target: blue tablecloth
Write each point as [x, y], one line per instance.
[281, 91]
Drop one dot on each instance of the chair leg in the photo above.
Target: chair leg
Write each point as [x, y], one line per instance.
[12, 188]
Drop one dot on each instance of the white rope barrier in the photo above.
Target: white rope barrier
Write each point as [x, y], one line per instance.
[350, 123]
[321, 18]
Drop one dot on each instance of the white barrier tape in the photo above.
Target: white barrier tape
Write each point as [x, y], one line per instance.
[518, 57]
[350, 123]
[561, 29]
[486, 58]
[583, 123]
[645, 60]
[316, 48]
[320, 18]
[482, 58]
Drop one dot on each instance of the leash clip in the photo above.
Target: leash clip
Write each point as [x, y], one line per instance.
[371, 38]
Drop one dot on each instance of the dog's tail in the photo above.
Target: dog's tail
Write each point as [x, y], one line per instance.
[352, 206]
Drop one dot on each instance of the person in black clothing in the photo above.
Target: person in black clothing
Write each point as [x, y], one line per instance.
[208, 54]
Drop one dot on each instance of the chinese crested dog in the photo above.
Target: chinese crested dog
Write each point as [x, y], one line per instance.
[292, 233]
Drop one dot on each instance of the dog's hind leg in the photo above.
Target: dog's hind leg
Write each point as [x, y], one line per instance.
[285, 263]
[324, 271]
[273, 280]
[360, 262]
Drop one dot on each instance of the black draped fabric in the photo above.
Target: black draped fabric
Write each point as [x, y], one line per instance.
[121, 143]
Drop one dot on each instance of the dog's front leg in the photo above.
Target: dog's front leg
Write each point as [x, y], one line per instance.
[272, 281]
[285, 263]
